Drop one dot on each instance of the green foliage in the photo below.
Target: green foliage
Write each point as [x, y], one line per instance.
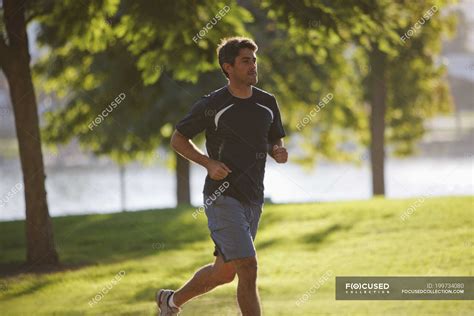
[147, 52]
[346, 33]
[308, 60]
[306, 51]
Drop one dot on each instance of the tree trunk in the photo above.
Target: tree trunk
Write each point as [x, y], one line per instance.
[378, 95]
[15, 59]
[183, 191]
[123, 188]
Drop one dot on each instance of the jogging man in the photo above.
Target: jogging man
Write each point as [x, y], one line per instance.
[242, 125]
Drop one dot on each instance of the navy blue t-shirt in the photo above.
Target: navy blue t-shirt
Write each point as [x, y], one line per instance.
[238, 133]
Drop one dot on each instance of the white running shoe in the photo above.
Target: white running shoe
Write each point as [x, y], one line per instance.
[162, 298]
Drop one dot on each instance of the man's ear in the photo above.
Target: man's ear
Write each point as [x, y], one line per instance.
[227, 67]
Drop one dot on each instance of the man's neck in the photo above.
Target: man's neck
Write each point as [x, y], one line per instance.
[240, 91]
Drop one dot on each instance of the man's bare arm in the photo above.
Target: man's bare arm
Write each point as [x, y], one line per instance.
[186, 148]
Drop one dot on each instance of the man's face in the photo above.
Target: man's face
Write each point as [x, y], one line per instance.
[244, 70]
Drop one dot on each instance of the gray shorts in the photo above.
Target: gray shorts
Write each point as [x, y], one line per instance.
[233, 227]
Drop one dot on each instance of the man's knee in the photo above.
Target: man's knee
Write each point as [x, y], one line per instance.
[224, 274]
[246, 268]
[226, 278]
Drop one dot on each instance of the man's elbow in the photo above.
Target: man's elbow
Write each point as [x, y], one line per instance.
[176, 139]
[173, 140]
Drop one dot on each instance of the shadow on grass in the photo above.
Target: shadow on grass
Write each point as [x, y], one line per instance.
[105, 238]
[147, 294]
[266, 244]
[319, 237]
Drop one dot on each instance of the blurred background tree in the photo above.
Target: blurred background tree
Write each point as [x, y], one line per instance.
[145, 50]
[307, 52]
[285, 61]
[398, 84]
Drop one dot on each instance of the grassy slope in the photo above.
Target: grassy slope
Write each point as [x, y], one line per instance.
[296, 244]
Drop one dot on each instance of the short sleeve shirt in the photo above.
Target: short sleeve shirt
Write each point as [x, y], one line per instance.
[238, 133]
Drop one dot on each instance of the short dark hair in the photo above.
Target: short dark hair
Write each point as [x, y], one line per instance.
[229, 49]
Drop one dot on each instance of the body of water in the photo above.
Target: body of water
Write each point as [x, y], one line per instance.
[96, 189]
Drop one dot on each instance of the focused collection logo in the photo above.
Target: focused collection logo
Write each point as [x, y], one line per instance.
[404, 288]
[367, 288]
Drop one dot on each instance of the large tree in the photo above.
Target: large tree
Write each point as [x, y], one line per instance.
[154, 53]
[286, 65]
[404, 84]
[347, 49]
[165, 97]
[397, 81]
[15, 63]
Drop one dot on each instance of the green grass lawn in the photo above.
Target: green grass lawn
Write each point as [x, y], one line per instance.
[296, 244]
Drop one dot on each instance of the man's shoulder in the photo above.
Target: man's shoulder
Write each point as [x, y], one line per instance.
[263, 96]
[214, 99]
[216, 95]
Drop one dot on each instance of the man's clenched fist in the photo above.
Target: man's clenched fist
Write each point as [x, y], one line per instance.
[217, 170]
[279, 154]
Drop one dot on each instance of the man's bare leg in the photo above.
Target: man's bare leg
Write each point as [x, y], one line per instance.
[204, 280]
[247, 292]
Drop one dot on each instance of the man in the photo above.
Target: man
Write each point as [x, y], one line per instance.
[242, 125]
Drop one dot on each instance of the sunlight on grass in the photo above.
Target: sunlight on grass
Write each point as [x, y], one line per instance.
[296, 245]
